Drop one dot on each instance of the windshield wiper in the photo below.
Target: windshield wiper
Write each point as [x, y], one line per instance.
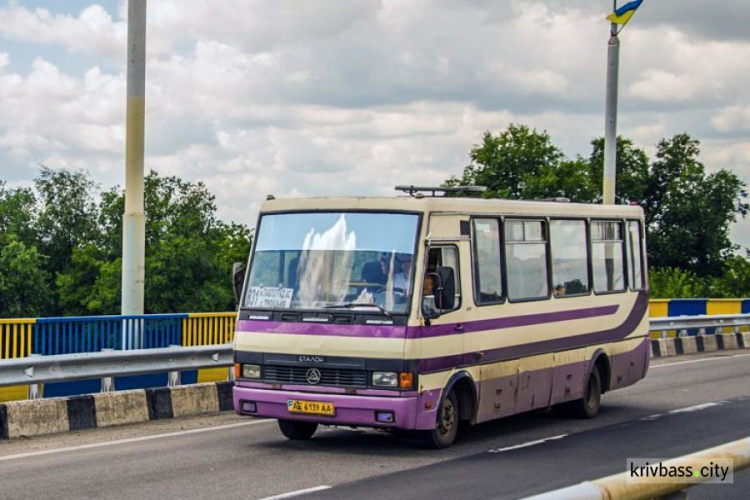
[351, 305]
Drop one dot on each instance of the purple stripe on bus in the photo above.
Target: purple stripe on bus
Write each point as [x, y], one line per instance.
[384, 331]
[619, 332]
[367, 331]
[511, 322]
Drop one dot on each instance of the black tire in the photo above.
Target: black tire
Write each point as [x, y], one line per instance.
[588, 406]
[446, 427]
[297, 430]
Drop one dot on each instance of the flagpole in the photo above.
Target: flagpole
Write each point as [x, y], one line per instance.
[610, 118]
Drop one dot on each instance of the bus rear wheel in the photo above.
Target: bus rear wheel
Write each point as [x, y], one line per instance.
[588, 406]
[297, 430]
[446, 427]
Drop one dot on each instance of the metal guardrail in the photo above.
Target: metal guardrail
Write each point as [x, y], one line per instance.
[69, 367]
[621, 486]
[720, 322]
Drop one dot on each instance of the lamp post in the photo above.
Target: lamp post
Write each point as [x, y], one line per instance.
[619, 17]
[610, 118]
[134, 226]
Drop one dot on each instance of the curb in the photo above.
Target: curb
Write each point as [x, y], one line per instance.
[49, 416]
[674, 346]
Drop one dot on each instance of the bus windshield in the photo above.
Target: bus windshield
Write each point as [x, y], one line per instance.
[333, 260]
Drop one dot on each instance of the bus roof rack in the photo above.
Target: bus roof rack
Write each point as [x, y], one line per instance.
[418, 191]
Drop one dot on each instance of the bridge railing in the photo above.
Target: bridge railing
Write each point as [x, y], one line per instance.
[84, 334]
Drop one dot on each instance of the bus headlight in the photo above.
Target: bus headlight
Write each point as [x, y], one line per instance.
[385, 379]
[250, 371]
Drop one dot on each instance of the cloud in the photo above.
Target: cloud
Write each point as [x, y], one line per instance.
[93, 31]
[341, 97]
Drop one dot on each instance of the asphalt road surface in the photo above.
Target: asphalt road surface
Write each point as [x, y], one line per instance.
[225, 456]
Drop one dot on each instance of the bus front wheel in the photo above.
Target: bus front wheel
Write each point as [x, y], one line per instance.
[446, 427]
[296, 430]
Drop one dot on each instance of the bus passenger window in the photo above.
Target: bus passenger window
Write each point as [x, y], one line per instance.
[570, 271]
[487, 271]
[607, 256]
[526, 259]
[635, 255]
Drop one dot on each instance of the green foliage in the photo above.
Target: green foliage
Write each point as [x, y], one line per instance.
[667, 283]
[60, 250]
[24, 287]
[517, 163]
[689, 212]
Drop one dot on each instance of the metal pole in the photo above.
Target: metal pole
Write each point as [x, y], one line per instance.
[134, 227]
[610, 118]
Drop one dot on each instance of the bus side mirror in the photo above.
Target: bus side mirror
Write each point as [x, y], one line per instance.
[238, 279]
[441, 287]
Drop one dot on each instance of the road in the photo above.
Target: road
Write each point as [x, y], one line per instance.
[224, 456]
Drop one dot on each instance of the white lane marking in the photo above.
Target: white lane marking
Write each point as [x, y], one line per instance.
[130, 440]
[298, 493]
[718, 358]
[687, 409]
[526, 445]
[691, 409]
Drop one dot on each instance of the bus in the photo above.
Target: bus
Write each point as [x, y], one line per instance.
[422, 312]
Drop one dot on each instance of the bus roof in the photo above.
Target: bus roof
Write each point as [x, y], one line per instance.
[449, 205]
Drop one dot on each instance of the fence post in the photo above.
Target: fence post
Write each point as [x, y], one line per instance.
[34, 389]
[108, 383]
[174, 377]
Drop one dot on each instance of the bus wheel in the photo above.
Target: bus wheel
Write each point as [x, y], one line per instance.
[296, 430]
[446, 428]
[588, 406]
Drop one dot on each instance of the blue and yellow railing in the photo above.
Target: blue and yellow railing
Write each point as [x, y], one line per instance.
[208, 328]
[81, 334]
[695, 307]
[16, 337]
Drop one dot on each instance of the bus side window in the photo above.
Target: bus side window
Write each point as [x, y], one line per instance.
[635, 257]
[445, 256]
[526, 258]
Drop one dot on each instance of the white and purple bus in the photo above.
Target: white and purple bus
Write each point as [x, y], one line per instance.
[418, 312]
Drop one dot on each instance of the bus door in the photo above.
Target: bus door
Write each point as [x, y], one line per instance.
[446, 248]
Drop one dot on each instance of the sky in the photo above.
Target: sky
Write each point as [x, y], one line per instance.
[352, 97]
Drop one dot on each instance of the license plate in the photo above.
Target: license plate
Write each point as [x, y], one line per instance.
[310, 407]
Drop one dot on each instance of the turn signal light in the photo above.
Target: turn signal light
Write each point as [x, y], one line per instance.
[406, 380]
[236, 370]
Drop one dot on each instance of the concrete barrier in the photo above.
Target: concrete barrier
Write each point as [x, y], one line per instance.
[686, 345]
[707, 343]
[661, 348]
[701, 343]
[727, 341]
[49, 416]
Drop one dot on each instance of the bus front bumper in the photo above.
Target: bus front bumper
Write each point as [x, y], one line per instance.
[409, 412]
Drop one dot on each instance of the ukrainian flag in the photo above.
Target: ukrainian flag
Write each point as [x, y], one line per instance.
[624, 13]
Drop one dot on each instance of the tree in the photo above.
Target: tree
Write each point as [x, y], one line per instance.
[189, 253]
[689, 213]
[517, 163]
[18, 215]
[67, 219]
[24, 285]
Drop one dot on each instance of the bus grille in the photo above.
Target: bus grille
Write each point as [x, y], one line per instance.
[328, 376]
